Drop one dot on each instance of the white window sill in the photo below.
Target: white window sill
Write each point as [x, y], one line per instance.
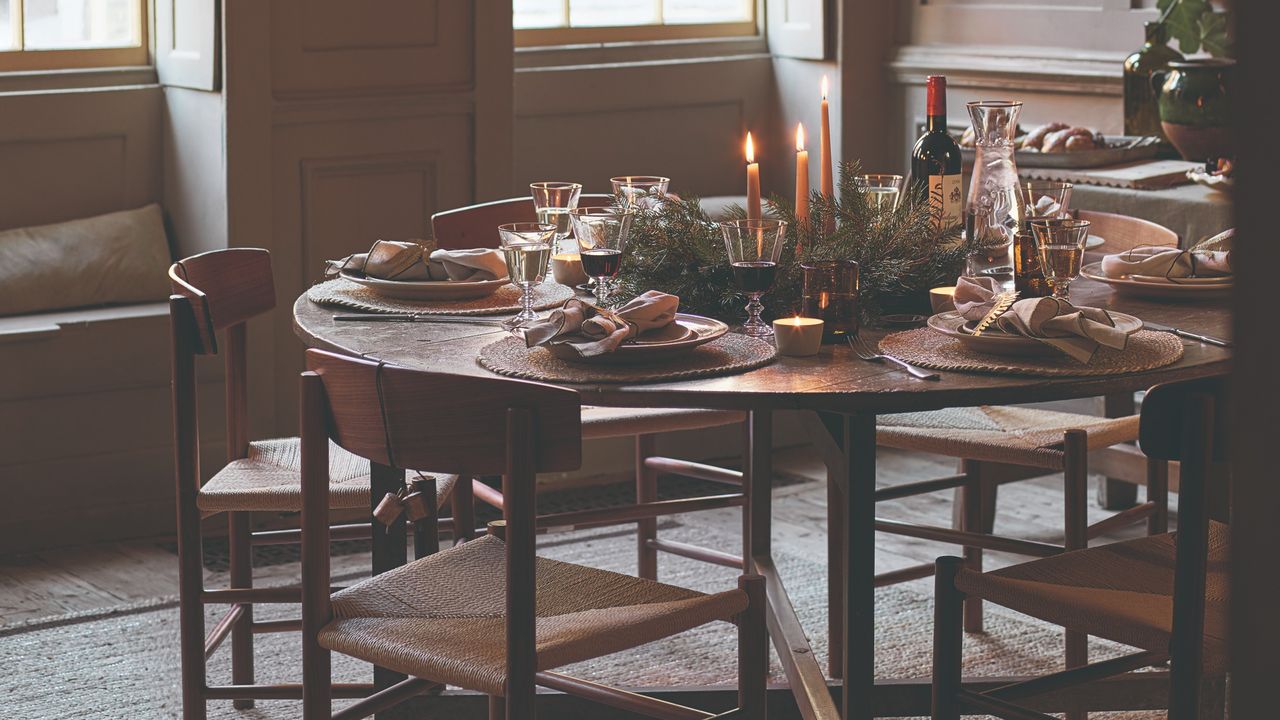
[76, 79]
[562, 57]
[40, 326]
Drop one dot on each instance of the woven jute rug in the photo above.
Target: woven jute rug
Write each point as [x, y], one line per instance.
[1146, 350]
[729, 354]
[344, 293]
[123, 662]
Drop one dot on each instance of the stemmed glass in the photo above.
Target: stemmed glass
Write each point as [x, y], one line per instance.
[646, 192]
[527, 248]
[553, 201]
[881, 190]
[602, 236]
[1061, 243]
[754, 247]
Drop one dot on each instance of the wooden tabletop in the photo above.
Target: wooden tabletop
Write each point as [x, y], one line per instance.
[833, 380]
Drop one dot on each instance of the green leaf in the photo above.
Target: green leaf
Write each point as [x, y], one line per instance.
[1214, 35]
[1183, 23]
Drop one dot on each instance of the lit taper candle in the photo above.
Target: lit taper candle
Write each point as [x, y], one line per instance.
[753, 182]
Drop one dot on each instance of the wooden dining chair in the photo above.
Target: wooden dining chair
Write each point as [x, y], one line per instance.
[1122, 232]
[487, 615]
[1165, 595]
[219, 292]
[476, 226]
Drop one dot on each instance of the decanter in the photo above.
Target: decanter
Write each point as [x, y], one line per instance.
[993, 211]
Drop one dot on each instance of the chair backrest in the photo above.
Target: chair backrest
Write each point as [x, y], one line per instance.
[225, 288]
[1122, 232]
[408, 418]
[1164, 416]
[477, 225]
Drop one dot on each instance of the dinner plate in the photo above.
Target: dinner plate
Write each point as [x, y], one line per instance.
[1160, 289]
[1093, 242]
[676, 339]
[997, 342]
[426, 289]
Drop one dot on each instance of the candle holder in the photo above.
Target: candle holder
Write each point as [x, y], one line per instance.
[830, 293]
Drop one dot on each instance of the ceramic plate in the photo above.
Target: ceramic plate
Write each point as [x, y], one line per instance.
[1160, 289]
[678, 338]
[428, 289]
[996, 342]
[1094, 242]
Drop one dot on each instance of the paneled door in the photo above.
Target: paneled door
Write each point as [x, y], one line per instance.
[349, 122]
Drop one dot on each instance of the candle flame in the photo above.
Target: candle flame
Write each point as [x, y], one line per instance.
[824, 87]
[799, 137]
[751, 150]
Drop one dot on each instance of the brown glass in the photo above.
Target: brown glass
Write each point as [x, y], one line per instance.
[1028, 275]
[830, 293]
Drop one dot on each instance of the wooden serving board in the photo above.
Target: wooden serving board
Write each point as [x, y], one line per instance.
[1145, 175]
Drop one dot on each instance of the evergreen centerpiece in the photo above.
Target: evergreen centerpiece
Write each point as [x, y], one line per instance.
[678, 249]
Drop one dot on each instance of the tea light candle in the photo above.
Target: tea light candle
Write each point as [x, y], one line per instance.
[566, 268]
[798, 336]
[942, 299]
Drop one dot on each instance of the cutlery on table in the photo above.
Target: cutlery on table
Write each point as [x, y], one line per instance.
[1206, 339]
[864, 351]
[407, 317]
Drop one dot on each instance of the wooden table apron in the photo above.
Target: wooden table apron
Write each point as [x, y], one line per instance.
[845, 394]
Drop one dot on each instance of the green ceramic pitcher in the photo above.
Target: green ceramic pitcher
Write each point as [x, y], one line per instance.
[1195, 106]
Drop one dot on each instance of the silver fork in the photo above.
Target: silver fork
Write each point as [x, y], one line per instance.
[864, 351]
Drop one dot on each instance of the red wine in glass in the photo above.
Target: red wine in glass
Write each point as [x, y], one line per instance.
[752, 277]
[601, 263]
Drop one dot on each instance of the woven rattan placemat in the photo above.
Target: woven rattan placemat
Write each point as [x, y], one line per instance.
[727, 355]
[345, 293]
[1146, 350]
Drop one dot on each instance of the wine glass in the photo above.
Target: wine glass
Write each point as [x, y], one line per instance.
[553, 200]
[602, 236]
[754, 247]
[882, 191]
[527, 248]
[1061, 243]
[646, 192]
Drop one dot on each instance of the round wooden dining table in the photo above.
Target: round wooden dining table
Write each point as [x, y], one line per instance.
[843, 395]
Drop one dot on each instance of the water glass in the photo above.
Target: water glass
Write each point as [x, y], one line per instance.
[754, 247]
[1061, 242]
[1045, 198]
[646, 192]
[830, 293]
[527, 249]
[882, 191]
[553, 200]
[602, 236]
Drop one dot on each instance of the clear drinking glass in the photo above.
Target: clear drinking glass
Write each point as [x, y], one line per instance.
[553, 201]
[881, 190]
[527, 248]
[602, 236]
[994, 209]
[1045, 198]
[646, 192]
[754, 247]
[1061, 242]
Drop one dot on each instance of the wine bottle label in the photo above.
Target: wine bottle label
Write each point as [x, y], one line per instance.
[945, 199]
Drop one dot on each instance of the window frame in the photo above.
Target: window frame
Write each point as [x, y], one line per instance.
[659, 31]
[23, 60]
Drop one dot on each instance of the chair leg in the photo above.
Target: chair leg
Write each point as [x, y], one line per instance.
[241, 572]
[753, 651]
[948, 639]
[835, 578]
[646, 491]
[462, 505]
[1076, 528]
[497, 708]
[971, 521]
[1158, 493]
[191, 614]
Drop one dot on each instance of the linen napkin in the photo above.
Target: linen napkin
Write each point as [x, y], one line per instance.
[1076, 331]
[590, 331]
[975, 296]
[1167, 262]
[474, 265]
[387, 260]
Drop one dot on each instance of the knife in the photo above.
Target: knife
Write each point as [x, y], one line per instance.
[406, 317]
[1206, 339]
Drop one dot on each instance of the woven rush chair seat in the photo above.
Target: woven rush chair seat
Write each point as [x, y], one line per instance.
[443, 617]
[1122, 591]
[604, 422]
[1014, 435]
[269, 480]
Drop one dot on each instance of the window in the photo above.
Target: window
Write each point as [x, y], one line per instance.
[57, 34]
[565, 22]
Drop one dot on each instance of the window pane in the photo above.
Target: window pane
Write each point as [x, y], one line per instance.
[705, 11]
[65, 24]
[536, 13]
[600, 13]
[6, 25]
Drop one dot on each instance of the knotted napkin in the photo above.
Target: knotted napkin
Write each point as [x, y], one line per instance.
[975, 296]
[1167, 262]
[591, 331]
[408, 261]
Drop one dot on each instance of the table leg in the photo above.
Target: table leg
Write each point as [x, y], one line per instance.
[1117, 494]
[859, 445]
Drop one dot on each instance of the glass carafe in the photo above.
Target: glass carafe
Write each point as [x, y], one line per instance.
[993, 211]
